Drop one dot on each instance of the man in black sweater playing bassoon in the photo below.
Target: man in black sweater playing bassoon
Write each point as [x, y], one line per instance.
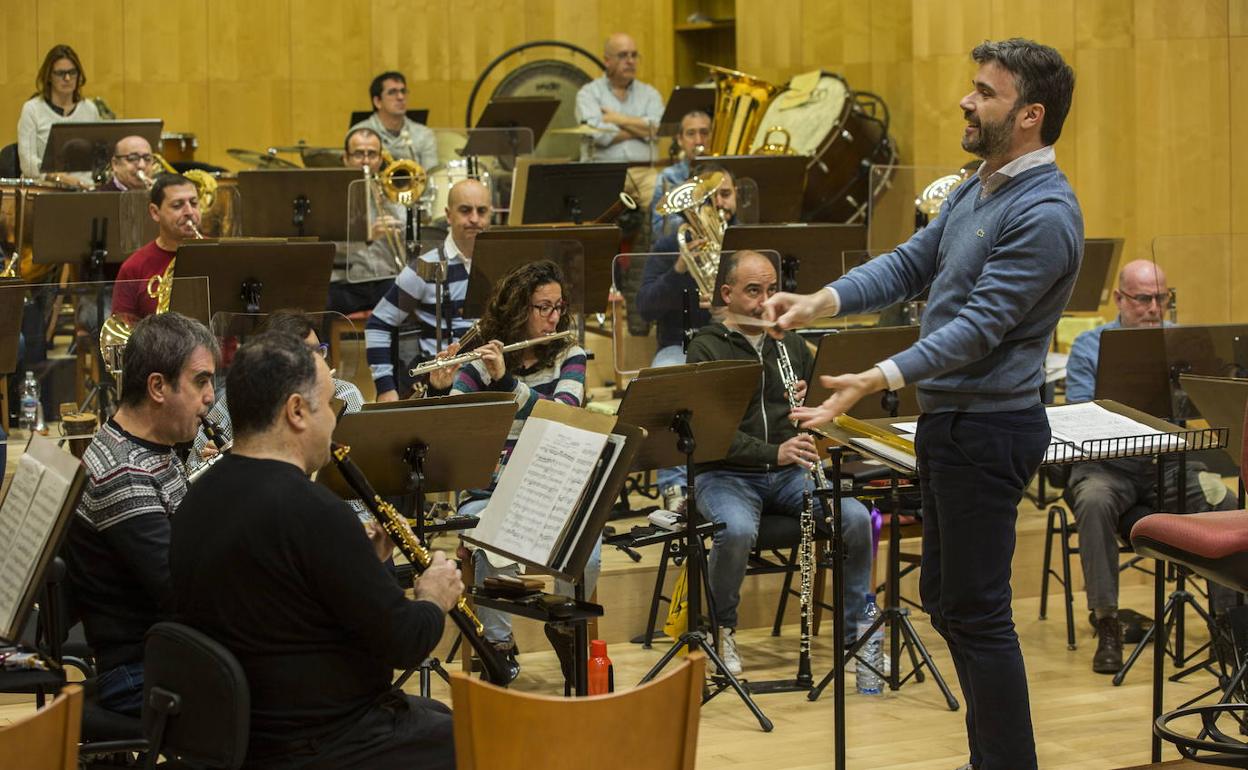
[279, 570]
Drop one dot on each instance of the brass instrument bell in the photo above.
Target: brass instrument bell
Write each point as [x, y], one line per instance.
[694, 200]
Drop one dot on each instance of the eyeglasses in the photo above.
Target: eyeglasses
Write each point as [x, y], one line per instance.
[546, 310]
[394, 92]
[136, 158]
[364, 155]
[322, 349]
[68, 74]
[1161, 299]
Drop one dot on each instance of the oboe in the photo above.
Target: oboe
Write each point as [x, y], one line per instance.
[213, 432]
[497, 669]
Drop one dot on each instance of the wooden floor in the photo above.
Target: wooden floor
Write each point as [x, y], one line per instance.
[1081, 720]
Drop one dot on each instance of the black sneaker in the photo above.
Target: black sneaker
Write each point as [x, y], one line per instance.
[1108, 656]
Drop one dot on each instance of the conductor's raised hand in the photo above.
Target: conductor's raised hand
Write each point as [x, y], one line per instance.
[441, 583]
[492, 360]
[847, 390]
[444, 378]
[793, 310]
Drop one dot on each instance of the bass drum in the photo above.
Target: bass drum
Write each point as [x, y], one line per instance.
[844, 133]
[556, 79]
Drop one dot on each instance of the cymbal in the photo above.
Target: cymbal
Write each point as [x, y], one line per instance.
[259, 159]
[582, 130]
[302, 148]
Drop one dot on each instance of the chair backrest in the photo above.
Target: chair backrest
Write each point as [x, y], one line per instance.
[9, 166]
[196, 703]
[48, 738]
[653, 726]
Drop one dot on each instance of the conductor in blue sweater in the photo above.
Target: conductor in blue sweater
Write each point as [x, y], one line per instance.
[1000, 260]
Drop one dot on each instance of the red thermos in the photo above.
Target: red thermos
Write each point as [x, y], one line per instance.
[600, 673]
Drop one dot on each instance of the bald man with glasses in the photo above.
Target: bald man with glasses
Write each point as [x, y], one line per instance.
[131, 156]
[1106, 497]
[627, 109]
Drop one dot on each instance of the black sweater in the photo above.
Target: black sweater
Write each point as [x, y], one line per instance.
[766, 424]
[280, 571]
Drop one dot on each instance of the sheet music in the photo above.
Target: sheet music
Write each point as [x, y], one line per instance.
[539, 489]
[1090, 421]
[27, 519]
[578, 527]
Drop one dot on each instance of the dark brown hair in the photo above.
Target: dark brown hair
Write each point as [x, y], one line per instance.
[507, 315]
[43, 80]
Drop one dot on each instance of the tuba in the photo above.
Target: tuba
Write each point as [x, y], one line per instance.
[695, 202]
[741, 100]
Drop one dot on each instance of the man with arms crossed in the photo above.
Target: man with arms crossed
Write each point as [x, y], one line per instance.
[618, 101]
[1000, 261]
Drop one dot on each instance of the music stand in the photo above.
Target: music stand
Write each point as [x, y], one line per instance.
[810, 253]
[500, 250]
[703, 405]
[1141, 367]
[89, 146]
[1221, 401]
[432, 445]
[296, 202]
[856, 350]
[781, 181]
[682, 101]
[416, 116]
[12, 296]
[564, 192]
[1096, 276]
[524, 117]
[253, 276]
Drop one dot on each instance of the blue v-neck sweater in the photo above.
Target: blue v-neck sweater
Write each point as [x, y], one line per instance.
[1001, 270]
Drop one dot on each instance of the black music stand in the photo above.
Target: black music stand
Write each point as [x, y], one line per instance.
[810, 253]
[89, 146]
[407, 452]
[703, 405]
[1097, 274]
[253, 276]
[1221, 401]
[855, 350]
[682, 101]
[506, 248]
[296, 202]
[92, 231]
[781, 181]
[565, 192]
[12, 300]
[524, 119]
[416, 116]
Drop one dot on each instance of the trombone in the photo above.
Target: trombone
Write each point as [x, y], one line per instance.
[378, 203]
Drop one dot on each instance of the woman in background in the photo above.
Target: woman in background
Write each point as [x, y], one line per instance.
[58, 99]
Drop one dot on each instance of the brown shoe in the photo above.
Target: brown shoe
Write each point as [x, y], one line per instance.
[1108, 656]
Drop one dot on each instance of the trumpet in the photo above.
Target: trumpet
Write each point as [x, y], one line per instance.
[474, 355]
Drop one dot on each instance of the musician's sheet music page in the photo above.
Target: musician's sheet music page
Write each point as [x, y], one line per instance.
[1090, 421]
[539, 488]
[27, 518]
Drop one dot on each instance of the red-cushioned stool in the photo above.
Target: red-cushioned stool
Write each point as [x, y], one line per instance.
[341, 327]
[1213, 545]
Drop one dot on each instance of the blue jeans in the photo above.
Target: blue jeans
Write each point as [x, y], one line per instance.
[973, 469]
[739, 499]
[497, 624]
[121, 689]
[672, 355]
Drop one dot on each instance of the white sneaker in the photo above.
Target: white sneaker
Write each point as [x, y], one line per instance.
[728, 651]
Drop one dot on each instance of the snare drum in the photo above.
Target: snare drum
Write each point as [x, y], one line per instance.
[842, 140]
[178, 148]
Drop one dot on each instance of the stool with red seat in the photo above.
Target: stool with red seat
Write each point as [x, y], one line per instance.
[1213, 545]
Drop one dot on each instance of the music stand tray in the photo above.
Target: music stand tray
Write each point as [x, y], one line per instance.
[296, 202]
[511, 112]
[565, 192]
[63, 224]
[500, 250]
[250, 276]
[809, 252]
[781, 181]
[88, 146]
[856, 350]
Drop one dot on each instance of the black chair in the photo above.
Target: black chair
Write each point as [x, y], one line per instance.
[196, 703]
[10, 167]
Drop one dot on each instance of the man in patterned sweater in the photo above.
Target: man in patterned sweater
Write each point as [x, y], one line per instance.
[118, 544]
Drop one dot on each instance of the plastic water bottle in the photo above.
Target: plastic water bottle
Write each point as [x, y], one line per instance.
[866, 680]
[601, 675]
[29, 419]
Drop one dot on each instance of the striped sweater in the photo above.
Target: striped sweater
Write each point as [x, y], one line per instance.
[563, 381]
[410, 295]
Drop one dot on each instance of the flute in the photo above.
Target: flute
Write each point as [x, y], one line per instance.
[474, 355]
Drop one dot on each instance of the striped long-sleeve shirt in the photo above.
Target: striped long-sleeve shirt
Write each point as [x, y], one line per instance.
[562, 381]
[410, 295]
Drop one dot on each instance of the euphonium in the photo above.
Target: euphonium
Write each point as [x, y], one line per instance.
[114, 334]
[694, 200]
[740, 102]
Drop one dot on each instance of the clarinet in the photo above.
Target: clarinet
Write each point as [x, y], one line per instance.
[497, 669]
[806, 522]
[212, 432]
